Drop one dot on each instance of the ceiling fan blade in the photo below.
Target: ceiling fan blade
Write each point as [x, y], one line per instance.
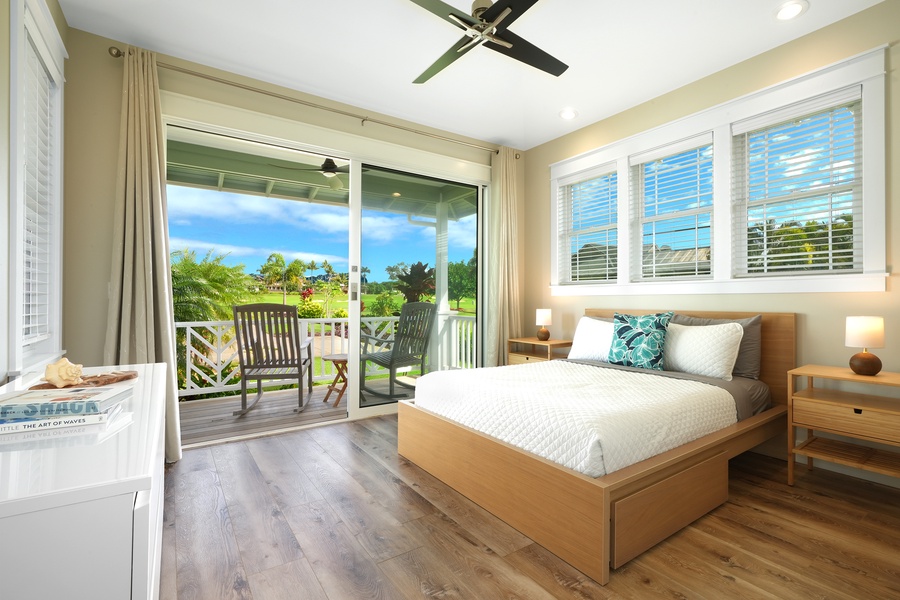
[455, 52]
[528, 53]
[444, 10]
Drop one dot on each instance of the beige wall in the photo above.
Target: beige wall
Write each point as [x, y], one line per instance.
[93, 92]
[820, 316]
[93, 102]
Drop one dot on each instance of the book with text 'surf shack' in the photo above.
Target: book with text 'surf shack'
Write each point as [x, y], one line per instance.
[65, 402]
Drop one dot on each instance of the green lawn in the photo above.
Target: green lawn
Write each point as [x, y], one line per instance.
[466, 306]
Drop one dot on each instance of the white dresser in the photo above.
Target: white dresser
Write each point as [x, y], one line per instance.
[81, 515]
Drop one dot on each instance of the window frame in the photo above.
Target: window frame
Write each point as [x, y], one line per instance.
[594, 174]
[866, 70]
[849, 97]
[32, 18]
[640, 219]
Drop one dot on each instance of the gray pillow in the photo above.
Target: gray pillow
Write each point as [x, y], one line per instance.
[750, 353]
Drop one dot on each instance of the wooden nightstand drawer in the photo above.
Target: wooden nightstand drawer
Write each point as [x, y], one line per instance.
[863, 422]
[518, 359]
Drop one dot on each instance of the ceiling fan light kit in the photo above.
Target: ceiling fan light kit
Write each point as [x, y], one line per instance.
[488, 26]
[791, 9]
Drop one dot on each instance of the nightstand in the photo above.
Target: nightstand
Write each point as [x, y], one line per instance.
[848, 414]
[531, 349]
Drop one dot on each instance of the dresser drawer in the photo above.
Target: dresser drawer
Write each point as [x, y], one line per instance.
[518, 359]
[864, 422]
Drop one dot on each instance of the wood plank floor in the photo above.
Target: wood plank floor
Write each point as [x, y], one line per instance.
[334, 513]
[211, 421]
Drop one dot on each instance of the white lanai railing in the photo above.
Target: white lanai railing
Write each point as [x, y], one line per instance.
[208, 360]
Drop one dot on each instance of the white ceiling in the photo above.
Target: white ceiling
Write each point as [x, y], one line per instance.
[366, 53]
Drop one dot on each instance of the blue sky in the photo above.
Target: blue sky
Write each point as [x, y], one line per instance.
[250, 228]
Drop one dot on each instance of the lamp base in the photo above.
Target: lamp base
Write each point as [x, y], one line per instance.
[865, 363]
[543, 334]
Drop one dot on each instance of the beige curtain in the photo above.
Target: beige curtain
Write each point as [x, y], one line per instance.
[504, 311]
[141, 327]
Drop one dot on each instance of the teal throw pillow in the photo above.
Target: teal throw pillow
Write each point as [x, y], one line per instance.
[638, 341]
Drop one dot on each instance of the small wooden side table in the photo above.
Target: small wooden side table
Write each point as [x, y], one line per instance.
[340, 378]
[874, 418]
[531, 349]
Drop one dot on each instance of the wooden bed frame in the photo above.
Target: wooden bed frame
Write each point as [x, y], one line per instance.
[598, 523]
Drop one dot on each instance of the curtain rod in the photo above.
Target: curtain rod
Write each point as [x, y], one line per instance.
[117, 53]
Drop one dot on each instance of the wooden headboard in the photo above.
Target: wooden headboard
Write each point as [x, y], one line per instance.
[779, 342]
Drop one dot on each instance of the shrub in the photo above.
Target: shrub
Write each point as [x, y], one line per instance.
[384, 305]
[307, 309]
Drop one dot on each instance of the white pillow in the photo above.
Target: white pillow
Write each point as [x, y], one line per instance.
[708, 350]
[592, 340]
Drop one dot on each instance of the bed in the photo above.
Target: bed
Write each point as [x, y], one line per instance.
[598, 523]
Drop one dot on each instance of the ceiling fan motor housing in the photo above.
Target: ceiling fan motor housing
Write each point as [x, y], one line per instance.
[479, 6]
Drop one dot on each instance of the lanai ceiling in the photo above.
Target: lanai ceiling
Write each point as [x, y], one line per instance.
[366, 53]
[209, 161]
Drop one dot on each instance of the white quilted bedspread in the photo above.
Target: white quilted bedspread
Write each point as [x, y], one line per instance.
[590, 419]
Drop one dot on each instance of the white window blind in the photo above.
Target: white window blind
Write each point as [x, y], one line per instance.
[39, 110]
[34, 275]
[671, 201]
[587, 218]
[798, 191]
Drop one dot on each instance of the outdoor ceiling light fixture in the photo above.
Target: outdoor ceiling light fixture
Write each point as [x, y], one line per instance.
[791, 9]
[568, 113]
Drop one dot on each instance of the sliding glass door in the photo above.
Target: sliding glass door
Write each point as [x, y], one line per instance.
[418, 281]
[382, 266]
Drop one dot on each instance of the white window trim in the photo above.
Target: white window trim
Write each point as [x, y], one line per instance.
[636, 206]
[33, 17]
[866, 70]
[594, 173]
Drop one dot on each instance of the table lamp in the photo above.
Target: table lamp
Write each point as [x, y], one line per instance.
[865, 333]
[543, 319]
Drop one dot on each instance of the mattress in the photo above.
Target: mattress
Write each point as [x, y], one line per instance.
[592, 419]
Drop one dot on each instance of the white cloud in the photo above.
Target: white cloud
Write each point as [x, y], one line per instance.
[381, 229]
[261, 254]
[188, 204]
[463, 233]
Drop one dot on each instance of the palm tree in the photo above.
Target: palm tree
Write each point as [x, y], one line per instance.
[203, 291]
[274, 270]
[294, 272]
[311, 266]
[206, 290]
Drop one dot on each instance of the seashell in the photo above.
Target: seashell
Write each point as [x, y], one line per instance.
[63, 373]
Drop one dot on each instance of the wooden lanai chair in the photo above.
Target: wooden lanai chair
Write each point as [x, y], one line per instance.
[409, 347]
[270, 347]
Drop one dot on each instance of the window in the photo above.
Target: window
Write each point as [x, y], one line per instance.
[35, 203]
[781, 191]
[798, 194]
[672, 199]
[587, 216]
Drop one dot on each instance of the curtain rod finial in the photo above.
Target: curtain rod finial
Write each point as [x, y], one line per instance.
[115, 52]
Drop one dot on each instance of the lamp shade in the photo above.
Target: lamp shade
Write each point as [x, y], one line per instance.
[543, 317]
[864, 332]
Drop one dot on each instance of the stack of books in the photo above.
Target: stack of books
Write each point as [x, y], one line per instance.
[41, 414]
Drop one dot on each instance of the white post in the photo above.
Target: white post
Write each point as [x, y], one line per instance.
[441, 344]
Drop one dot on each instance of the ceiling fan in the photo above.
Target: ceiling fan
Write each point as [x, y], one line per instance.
[488, 26]
[329, 169]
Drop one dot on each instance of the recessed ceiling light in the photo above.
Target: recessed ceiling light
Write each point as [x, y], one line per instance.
[791, 9]
[568, 113]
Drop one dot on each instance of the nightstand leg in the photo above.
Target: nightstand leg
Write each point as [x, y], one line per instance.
[809, 460]
[790, 456]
